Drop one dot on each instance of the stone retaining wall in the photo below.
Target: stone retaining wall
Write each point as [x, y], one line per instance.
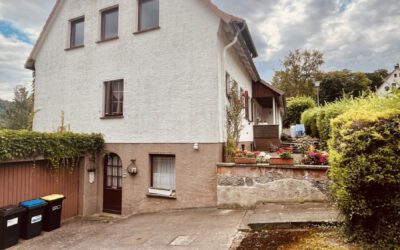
[243, 186]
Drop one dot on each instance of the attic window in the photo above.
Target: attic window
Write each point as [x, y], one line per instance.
[149, 14]
[77, 32]
[109, 24]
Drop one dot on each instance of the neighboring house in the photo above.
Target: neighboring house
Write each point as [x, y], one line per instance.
[153, 77]
[392, 81]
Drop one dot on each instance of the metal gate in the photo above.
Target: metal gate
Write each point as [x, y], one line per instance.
[21, 181]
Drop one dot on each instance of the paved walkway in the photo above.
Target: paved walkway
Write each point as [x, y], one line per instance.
[289, 215]
[188, 229]
[209, 229]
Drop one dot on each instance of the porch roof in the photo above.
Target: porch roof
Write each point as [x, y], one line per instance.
[264, 92]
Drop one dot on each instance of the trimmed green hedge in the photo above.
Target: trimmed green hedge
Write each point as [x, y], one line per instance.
[327, 113]
[309, 119]
[364, 152]
[22, 144]
[295, 107]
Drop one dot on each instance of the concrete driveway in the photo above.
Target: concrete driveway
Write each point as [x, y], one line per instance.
[183, 229]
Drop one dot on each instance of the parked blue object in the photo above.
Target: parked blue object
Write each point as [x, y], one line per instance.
[33, 203]
[300, 130]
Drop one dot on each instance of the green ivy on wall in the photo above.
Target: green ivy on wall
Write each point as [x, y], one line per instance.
[55, 147]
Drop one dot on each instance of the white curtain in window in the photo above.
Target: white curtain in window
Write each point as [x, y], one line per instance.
[164, 172]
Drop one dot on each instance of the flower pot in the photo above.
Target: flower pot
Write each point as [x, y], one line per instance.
[280, 161]
[242, 160]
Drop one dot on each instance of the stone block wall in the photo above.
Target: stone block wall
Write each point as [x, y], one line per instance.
[243, 186]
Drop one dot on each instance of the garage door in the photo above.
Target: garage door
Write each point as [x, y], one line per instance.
[22, 181]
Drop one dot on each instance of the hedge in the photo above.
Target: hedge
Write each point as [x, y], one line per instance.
[364, 154]
[55, 147]
[309, 119]
[295, 107]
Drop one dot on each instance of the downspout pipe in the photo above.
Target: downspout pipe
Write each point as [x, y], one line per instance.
[223, 74]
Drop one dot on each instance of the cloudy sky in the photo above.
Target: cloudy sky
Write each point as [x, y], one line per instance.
[361, 35]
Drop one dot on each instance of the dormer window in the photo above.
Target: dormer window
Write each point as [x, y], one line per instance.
[77, 27]
[109, 24]
[149, 15]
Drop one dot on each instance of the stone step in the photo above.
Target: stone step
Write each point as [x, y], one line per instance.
[292, 215]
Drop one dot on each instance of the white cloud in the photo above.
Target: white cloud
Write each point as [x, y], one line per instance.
[12, 73]
[28, 17]
[360, 35]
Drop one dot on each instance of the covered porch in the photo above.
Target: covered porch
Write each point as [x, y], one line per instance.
[269, 108]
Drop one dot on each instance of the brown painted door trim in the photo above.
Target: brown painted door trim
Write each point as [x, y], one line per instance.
[112, 193]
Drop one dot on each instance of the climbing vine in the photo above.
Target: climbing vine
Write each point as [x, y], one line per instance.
[58, 148]
[234, 117]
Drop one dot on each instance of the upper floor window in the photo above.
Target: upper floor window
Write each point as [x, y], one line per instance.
[109, 24]
[149, 14]
[395, 75]
[77, 32]
[114, 98]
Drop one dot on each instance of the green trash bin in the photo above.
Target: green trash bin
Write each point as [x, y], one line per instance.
[10, 225]
[52, 214]
[32, 223]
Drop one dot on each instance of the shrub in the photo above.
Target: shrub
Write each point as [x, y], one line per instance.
[22, 144]
[295, 107]
[326, 114]
[365, 169]
[309, 119]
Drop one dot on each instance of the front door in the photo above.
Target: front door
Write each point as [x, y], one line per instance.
[112, 200]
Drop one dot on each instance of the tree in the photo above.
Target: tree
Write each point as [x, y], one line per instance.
[300, 70]
[377, 78]
[336, 84]
[295, 107]
[3, 107]
[17, 113]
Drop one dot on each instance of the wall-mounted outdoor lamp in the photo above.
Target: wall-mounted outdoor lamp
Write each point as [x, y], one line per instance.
[132, 169]
[196, 146]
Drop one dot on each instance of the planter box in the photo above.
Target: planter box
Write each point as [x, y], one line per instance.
[240, 160]
[280, 161]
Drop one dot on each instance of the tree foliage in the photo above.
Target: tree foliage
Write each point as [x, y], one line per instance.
[377, 78]
[295, 107]
[17, 113]
[336, 84]
[300, 69]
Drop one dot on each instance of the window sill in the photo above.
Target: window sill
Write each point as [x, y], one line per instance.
[107, 40]
[77, 47]
[161, 196]
[146, 30]
[110, 117]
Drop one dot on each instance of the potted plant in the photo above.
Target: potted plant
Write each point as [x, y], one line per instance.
[315, 157]
[285, 157]
[245, 157]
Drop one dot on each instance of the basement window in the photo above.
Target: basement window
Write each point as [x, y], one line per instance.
[162, 175]
[149, 15]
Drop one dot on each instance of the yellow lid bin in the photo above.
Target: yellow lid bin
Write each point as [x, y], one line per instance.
[53, 197]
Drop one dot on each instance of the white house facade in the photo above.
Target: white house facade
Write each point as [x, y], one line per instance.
[151, 76]
[391, 82]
